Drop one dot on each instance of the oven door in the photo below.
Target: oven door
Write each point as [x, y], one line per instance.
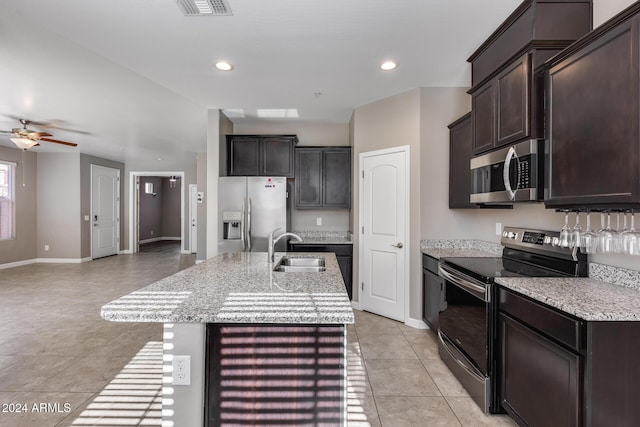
[464, 334]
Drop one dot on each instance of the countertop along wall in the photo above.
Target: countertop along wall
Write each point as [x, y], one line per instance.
[441, 106]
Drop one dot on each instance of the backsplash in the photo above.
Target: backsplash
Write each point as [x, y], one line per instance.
[461, 244]
[321, 234]
[615, 275]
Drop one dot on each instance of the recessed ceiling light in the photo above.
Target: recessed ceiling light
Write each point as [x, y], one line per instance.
[388, 66]
[224, 66]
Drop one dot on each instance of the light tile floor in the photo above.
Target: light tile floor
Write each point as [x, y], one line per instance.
[65, 366]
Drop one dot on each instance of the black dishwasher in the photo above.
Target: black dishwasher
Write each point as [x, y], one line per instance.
[432, 292]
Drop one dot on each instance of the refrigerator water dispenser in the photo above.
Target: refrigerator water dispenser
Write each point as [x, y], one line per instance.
[231, 225]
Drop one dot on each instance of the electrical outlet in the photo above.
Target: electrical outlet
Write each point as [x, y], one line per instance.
[319, 221]
[46, 247]
[151, 232]
[498, 229]
[181, 370]
[87, 218]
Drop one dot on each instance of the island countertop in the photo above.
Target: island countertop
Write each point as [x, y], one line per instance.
[239, 288]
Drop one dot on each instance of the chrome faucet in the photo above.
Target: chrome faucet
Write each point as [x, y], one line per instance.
[271, 246]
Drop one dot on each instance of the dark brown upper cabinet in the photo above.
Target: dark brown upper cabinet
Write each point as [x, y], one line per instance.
[261, 155]
[593, 118]
[323, 178]
[507, 94]
[460, 153]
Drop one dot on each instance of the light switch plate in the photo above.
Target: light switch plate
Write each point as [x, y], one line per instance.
[319, 221]
[498, 229]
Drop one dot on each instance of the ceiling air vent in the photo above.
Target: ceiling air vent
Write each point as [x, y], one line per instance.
[204, 7]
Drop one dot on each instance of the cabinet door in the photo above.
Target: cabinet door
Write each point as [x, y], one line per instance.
[483, 118]
[277, 157]
[460, 153]
[540, 380]
[594, 147]
[433, 290]
[243, 155]
[513, 94]
[336, 176]
[308, 182]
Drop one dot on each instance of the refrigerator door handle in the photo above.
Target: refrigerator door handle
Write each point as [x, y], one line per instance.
[249, 226]
[242, 226]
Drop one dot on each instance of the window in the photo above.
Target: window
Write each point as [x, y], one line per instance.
[7, 200]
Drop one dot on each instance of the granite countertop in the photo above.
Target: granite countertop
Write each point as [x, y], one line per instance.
[585, 298]
[239, 288]
[323, 238]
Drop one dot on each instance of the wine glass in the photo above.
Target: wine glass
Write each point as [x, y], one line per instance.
[626, 236]
[589, 239]
[633, 238]
[565, 233]
[605, 237]
[574, 239]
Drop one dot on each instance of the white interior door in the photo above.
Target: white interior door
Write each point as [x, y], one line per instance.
[384, 207]
[105, 208]
[193, 218]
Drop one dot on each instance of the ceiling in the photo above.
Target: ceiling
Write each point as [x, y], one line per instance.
[138, 75]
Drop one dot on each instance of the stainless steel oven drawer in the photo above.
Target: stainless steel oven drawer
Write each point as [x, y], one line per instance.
[552, 323]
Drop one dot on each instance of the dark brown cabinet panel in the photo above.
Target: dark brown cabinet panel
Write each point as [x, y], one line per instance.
[344, 255]
[540, 379]
[460, 153]
[323, 178]
[513, 86]
[594, 119]
[432, 292]
[483, 121]
[260, 155]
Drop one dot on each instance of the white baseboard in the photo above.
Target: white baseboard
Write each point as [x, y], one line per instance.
[125, 252]
[18, 263]
[416, 323]
[356, 305]
[155, 239]
[200, 261]
[62, 260]
[158, 239]
[185, 252]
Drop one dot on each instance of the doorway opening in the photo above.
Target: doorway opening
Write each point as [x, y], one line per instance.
[156, 214]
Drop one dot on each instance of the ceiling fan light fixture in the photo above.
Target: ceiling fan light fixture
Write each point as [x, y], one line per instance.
[24, 143]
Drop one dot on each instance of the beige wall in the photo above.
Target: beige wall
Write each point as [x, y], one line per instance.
[58, 198]
[392, 122]
[605, 9]
[23, 247]
[226, 128]
[201, 254]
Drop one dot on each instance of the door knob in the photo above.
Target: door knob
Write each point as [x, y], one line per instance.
[398, 245]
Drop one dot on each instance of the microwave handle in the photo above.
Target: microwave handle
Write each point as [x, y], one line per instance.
[505, 173]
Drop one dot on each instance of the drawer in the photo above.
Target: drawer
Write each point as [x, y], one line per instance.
[430, 263]
[555, 324]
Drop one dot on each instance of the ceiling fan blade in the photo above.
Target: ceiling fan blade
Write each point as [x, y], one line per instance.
[39, 135]
[71, 144]
[6, 131]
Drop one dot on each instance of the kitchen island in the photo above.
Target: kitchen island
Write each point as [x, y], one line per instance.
[264, 346]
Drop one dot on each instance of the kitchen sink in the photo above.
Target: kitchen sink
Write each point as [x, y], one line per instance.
[293, 264]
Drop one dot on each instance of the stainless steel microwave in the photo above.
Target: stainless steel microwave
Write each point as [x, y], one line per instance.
[511, 174]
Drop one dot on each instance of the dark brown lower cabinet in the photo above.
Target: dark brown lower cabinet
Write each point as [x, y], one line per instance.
[275, 375]
[432, 292]
[559, 370]
[540, 379]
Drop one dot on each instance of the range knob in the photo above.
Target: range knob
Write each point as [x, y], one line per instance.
[547, 240]
[512, 235]
[555, 241]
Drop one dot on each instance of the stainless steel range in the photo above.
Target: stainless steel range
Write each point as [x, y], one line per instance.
[467, 333]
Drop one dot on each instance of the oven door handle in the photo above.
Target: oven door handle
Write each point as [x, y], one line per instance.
[452, 354]
[447, 274]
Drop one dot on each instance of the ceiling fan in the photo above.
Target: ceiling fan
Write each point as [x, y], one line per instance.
[26, 138]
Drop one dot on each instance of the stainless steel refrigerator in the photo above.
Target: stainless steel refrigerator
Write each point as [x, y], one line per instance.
[249, 208]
